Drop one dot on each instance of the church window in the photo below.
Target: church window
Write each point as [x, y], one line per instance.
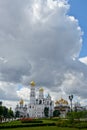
[36, 101]
[40, 102]
[50, 103]
[47, 102]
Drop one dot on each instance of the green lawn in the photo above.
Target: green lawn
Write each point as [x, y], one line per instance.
[43, 128]
[27, 126]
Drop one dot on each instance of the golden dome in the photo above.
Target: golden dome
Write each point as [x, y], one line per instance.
[57, 102]
[61, 101]
[32, 83]
[21, 102]
[41, 89]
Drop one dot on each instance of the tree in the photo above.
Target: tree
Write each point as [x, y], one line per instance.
[46, 111]
[1, 111]
[5, 112]
[56, 113]
[17, 114]
[77, 115]
[10, 113]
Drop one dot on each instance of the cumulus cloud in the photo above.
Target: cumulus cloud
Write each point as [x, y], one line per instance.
[83, 60]
[8, 91]
[40, 41]
[23, 93]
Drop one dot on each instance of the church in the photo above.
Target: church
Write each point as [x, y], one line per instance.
[63, 106]
[37, 106]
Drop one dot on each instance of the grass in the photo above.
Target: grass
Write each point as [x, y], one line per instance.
[24, 126]
[11, 123]
[43, 128]
[18, 122]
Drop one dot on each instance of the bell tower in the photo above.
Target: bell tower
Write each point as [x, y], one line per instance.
[41, 93]
[32, 93]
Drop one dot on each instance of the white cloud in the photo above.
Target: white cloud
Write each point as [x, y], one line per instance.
[42, 43]
[3, 60]
[83, 60]
[24, 93]
[10, 104]
[8, 91]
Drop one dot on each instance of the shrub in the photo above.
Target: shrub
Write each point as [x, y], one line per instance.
[30, 120]
[81, 125]
[27, 125]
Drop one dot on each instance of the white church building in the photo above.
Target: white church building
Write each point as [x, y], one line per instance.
[36, 107]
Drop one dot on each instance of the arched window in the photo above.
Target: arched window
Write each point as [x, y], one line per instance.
[47, 102]
[40, 102]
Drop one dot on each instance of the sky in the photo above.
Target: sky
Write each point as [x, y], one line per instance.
[44, 41]
[78, 10]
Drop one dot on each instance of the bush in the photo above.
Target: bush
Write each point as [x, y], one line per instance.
[55, 119]
[30, 120]
[62, 123]
[75, 124]
[27, 125]
[81, 125]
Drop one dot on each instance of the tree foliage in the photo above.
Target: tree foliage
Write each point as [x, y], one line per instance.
[5, 112]
[10, 113]
[56, 113]
[46, 111]
[77, 115]
[17, 114]
[1, 110]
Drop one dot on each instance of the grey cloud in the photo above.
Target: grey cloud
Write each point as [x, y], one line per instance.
[39, 42]
[14, 69]
[8, 91]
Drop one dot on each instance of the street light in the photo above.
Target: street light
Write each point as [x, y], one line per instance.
[0, 103]
[71, 98]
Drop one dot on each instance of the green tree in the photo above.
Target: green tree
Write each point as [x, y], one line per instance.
[56, 113]
[17, 114]
[77, 115]
[5, 112]
[1, 111]
[71, 116]
[10, 113]
[46, 111]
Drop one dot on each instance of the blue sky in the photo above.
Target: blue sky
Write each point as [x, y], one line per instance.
[78, 9]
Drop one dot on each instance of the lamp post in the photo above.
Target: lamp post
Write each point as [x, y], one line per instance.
[71, 98]
[0, 103]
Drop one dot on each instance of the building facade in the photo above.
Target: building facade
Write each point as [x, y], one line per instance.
[36, 107]
[63, 106]
[21, 109]
[77, 107]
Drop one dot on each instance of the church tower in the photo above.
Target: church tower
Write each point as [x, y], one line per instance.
[21, 103]
[32, 93]
[41, 93]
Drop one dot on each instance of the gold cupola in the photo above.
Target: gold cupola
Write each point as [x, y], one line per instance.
[21, 102]
[62, 101]
[41, 90]
[32, 83]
